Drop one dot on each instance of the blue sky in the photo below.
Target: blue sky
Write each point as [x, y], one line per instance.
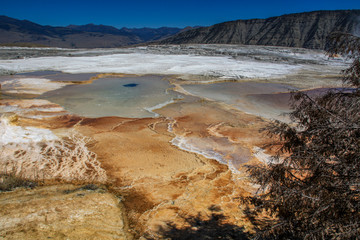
[152, 13]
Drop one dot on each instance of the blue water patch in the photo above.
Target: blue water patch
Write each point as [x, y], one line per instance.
[130, 85]
[133, 97]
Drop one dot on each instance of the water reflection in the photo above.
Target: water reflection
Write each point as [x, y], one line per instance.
[125, 97]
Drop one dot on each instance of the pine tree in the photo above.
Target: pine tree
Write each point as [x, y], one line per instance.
[312, 185]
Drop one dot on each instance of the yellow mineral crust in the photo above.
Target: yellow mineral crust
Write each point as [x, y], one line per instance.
[61, 212]
[159, 180]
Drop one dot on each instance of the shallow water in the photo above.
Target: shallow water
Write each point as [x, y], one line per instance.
[125, 97]
[39, 73]
[59, 76]
[220, 149]
[250, 97]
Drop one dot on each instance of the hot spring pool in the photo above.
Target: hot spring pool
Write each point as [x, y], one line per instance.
[133, 97]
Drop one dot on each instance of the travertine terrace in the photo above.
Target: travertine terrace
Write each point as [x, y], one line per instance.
[186, 159]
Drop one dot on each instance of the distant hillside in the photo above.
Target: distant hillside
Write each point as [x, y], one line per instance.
[152, 34]
[142, 34]
[307, 30]
[23, 32]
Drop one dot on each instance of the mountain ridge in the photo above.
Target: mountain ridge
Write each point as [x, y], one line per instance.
[144, 34]
[305, 30]
[14, 31]
[301, 30]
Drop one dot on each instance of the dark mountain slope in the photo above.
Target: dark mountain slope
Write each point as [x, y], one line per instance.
[143, 34]
[152, 34]
[13, 31]
[307, 30]
[96, 28]
[27, 27]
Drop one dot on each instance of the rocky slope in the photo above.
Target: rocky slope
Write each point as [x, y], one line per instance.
[306, 30]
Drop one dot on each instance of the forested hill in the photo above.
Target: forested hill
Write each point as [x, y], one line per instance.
[307, 30]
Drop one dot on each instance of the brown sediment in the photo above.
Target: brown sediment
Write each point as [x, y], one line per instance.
[99, 76]
[158, 180]
[29, 103]
[161, 182]
[110, 75]
[32, 109]
[199, 117]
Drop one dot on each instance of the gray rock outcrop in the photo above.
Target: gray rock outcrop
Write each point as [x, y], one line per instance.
[306, 30]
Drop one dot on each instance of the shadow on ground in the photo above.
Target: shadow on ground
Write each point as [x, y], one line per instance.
[198, 228]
